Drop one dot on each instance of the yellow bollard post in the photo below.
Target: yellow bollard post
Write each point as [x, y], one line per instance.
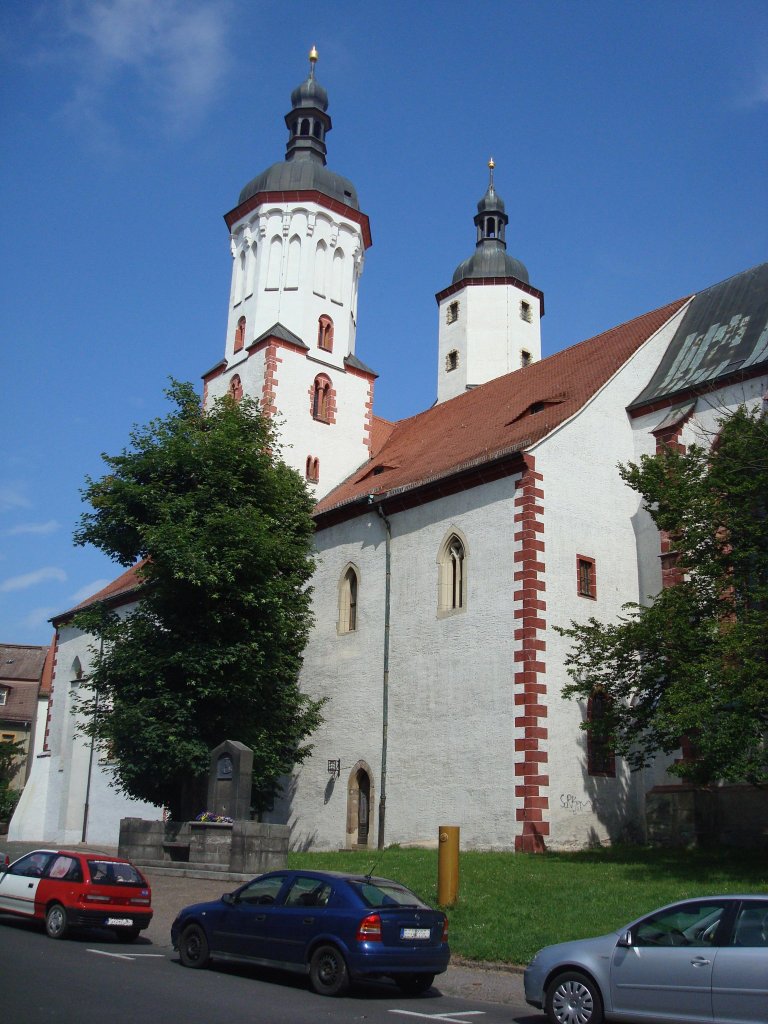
[448, 865]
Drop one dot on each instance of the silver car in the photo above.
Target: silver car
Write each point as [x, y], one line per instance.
[702, 961]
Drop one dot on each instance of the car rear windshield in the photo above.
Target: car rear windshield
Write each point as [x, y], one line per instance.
[387, 894]
[109, 872]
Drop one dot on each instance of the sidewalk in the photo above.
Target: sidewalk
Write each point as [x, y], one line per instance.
[490, 983]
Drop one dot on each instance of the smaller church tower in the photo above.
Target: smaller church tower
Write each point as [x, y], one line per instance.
[298, 240]
[490, 316]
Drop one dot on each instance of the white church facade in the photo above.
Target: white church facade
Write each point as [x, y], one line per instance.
[450, 544]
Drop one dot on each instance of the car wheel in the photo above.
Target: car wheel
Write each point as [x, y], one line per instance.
[193, 947]
[573, 998]
[413, 984]
[56, 921]
[328, 972]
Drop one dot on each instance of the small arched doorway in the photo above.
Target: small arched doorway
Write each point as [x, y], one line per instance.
[360, 801]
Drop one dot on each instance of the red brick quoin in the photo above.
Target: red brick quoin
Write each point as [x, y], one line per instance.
[529, 677]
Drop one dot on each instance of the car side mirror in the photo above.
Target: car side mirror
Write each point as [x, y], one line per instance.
[625, 940]
[229, 898]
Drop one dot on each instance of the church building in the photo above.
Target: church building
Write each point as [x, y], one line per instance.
[451, 543]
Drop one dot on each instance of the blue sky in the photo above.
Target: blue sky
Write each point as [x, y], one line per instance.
[630, 145]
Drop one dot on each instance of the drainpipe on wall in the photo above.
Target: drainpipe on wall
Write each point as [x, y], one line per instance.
[90, 761]
[385, 681]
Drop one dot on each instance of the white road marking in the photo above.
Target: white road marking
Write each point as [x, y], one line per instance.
[124, 956]
[453, 1018]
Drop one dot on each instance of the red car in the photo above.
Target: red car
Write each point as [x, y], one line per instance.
[68, 889]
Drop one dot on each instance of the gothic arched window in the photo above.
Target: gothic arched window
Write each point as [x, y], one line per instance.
[321, 398]
[236, 387]
[348, 588]
[452, 575]
[325, 333]
[240, 334]
[600, 757]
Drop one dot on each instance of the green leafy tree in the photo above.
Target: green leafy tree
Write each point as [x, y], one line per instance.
[222, 532]
[11, 754]
[694, 662]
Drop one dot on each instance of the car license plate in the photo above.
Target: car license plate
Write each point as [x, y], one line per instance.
[114, 922]
[414, 933]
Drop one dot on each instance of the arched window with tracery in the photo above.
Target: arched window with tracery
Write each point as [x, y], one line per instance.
[236, 387]
[348, 589]
[321, 398]
[601, 759]
[313, 469]
[452, 575]
[321, 261]
[240, 334]
[325, 333]
[274, 266]
[294, 262]
[337, 277]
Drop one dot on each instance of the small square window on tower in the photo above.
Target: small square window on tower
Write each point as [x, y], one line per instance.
[586, 577]
[452, 360]
[525, 311]
[525, 357]
[452, 314]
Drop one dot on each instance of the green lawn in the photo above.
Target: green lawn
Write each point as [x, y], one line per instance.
[512, 904]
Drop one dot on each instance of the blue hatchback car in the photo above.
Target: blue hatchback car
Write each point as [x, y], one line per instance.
[334, 927]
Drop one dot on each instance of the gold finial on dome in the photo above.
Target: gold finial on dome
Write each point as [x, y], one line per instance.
[491, 165]
[313, 55]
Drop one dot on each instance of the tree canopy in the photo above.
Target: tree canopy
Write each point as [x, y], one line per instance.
[222, 531]
[694, 662]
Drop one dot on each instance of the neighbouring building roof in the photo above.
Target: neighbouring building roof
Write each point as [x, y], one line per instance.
[508, 413]
[21, 674]
[723, 335]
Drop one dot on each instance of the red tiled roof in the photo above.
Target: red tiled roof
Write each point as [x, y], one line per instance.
[380, 431]
[508, 413]
[118, 591]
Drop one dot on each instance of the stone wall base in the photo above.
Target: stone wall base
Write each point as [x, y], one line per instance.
[244, 847]
[682, 815]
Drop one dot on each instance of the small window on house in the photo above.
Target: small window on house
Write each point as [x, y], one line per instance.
[325, 333]
[321, 399]
[236, 388]
[525, 358]
[348, 588]
[452, 360]
[452, 576]
[601, 759]
[3, 695]
[452, 313]
[240, 334]
[586, 578]
[313, 469]
[525, 311]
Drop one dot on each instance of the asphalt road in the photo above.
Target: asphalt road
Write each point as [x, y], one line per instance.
[94, 978]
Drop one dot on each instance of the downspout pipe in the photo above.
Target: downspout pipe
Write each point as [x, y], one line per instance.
[86, 807]
[385, 679]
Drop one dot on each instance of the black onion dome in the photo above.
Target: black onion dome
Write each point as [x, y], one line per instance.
[491, 202]
[304, 168]
[303, 175]
[310, 94]
[490, 261]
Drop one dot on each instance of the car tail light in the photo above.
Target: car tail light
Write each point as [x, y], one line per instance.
[370, 929]
[445, 929]
[91, 897]
[140, 902]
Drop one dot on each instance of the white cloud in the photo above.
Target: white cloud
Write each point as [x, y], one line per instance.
[165, 55]
[12, 496]
[31, 579]
[37, 528]
[88, 590]
[38, 618]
